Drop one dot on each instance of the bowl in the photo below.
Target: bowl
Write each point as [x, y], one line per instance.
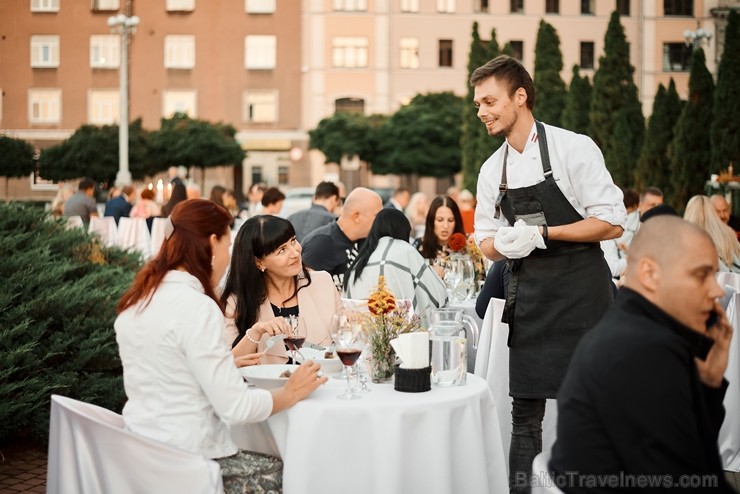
[328, 365]
[267, 376]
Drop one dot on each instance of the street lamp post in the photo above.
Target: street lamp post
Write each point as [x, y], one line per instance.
[695, 38]
[123, 25]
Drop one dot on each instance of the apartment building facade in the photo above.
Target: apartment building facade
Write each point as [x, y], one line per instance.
[274, 68]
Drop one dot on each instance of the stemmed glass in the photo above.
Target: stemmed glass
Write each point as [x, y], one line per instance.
[339, 322]
[349, 347]
[295, 338]
[453, 277]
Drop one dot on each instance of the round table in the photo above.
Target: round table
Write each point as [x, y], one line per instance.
[442, 441]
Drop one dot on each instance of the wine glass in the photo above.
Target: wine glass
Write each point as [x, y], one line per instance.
[453, 278]
[295, 338]
[339, 322]
[349, 347]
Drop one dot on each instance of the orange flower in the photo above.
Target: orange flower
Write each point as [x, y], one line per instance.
[456, 242]
[382, 300]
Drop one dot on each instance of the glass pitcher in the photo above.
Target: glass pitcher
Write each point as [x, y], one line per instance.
[448, 341]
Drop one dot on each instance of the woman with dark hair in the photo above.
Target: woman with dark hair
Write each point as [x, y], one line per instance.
[180, 379]
[387, 252]
[443, 219]
[179, 194]
[272, 201]
[267, 283]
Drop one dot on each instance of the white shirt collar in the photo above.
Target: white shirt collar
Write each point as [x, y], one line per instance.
[532, 140]
[184, 278]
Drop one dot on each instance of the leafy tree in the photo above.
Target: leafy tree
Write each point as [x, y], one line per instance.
[476, 144]
[653, 166]
[689, 152]
[548, 85]
[345, 134]
[58, 298]
[92, 151]
[16, 159]
[725, 131]
[185, 141]
[615, 92]
[575, 112]
[423, 137]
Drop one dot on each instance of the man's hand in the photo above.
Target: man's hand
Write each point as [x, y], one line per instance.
[712, 369]
[519, 240]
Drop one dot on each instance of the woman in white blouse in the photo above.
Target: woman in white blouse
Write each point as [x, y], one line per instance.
[699, 211]
[181, 382]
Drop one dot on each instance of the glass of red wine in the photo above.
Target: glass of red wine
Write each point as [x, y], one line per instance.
[349, 346]
[295, 337]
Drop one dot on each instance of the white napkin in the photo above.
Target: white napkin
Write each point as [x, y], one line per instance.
[412, 349]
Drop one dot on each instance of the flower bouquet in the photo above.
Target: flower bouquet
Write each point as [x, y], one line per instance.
[386, 320]
[458, 243]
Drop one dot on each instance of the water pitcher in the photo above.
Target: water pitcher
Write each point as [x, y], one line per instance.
[448, 340]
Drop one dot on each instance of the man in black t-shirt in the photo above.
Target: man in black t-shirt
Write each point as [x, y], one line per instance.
[332, 247]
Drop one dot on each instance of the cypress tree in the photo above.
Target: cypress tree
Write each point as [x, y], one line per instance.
[689, 151]
[575, 113]
[548, 85]
[615, 92]
[725, 131]
[475, 142]
[653, 168]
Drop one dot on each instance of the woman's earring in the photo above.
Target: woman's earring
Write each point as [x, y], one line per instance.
[213, 261]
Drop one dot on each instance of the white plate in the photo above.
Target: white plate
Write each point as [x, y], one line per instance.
[267, 376]
[328, 365]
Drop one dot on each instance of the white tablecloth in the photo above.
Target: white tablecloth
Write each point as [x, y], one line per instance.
[729, 434]
[442, 441]
[492, 364]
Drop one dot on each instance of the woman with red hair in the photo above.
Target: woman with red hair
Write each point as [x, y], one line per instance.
[182, 384]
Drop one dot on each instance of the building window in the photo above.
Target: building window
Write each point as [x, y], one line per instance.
[179, 51]
[45, 51]
[409, 5]
[349, 105]
[552, 6]
[516, 6]
[179, 102]
[105, 51]
[587, 7]
[260, 106]
[676, 57]
[445, 53]
[446, 6]
[587, 55]
[256, 174]
[480, 6]
[44, 106]
[105, 4]
[102, 106]
[517, 48]
[409, 53]
[259, 6]
[678, 7]
[350, 5]
[349, 52]
[283, 175]
[180, 5]
[260, 52]
[44, 5]
[623, 7]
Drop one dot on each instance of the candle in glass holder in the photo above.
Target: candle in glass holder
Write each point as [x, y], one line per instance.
[169, 191]
[160, 193]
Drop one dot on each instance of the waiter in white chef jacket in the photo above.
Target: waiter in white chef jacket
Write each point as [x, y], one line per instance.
[545, 200]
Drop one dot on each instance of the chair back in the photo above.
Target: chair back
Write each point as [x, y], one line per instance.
[74, 222]
[106, 229]
[134, 234]
[544, 483]
[90, 451]
[158, 226]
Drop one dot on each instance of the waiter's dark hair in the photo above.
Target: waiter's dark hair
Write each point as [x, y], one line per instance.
[510, 72]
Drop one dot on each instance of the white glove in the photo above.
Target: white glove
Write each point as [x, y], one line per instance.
[515, 242]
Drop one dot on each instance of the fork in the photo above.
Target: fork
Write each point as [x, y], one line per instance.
[270, 342]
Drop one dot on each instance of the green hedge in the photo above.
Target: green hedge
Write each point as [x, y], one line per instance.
[58, 293]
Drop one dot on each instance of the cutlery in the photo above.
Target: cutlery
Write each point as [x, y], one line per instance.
[270, 342]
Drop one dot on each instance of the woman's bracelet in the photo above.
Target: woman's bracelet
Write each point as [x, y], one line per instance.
[256, 342]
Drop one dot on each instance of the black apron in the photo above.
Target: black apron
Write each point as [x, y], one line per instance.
[555, 295]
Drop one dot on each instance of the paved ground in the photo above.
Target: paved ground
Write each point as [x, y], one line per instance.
[23, 469]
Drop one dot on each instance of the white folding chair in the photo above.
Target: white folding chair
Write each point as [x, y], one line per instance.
[106, 228]
[544, 483]
[74, 222]
[134, 234]
[90, 451]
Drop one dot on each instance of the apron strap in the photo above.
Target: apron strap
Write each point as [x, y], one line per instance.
[544, 154]
[502, 186]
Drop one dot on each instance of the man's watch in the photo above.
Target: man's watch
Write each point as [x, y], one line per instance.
[544, 232]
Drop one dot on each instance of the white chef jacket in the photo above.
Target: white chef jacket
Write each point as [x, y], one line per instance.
[578, 168]
[182, 385]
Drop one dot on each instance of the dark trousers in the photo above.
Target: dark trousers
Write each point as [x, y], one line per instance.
[526, 441]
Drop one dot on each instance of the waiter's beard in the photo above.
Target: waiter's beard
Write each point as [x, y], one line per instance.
[506, 131]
